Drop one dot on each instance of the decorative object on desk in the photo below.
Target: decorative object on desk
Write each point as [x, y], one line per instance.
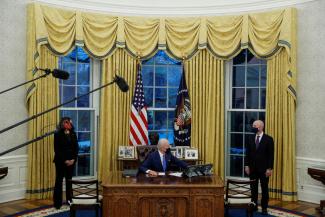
[144, 150]
[121, 150]
[198, 170]
[129, 152]
[191, 153]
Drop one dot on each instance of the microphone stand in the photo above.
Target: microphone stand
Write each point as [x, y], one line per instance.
[39, 114]
[53, 108]
[46, 71]
[27, 143]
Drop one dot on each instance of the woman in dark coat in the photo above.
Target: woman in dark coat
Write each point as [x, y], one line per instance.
[66, 153]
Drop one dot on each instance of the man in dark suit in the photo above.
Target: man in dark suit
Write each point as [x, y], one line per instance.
[259, 162]
[160, 160]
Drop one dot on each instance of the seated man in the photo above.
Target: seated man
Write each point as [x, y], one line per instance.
[160, 160]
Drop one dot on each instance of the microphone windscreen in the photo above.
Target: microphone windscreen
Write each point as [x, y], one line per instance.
[58, 73]
[121, 83]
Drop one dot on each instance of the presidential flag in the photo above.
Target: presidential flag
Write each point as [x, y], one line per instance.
[138, 119]
[183, 115]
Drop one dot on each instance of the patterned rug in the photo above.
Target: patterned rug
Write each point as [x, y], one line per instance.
[64, 212]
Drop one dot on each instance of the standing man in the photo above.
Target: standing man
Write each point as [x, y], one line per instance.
[160, 160]
[259, 163]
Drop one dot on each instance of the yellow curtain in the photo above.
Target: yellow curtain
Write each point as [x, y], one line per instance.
[280, 123]
[224, 36]
[205, 77]
[115, 110]
[41, 171]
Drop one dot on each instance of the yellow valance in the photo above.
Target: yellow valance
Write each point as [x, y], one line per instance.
[223, 36]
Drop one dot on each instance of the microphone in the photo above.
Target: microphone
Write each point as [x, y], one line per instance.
[121, 83]
[57, 73]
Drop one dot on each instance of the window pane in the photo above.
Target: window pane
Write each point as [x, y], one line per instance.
[174, 76]
[83, 74]
[160, 120]
[240, 58]
[171, 117]
[250, 117]
[161, 98]
[238, 79]
[150, 115]
[261, 116]
[83, 101]
[148, 96]
[147, 75]
[263, 75]
[84, 142]
[84, 120]
[236, 165]
[170, 137]
[161, 58]
[172, 95]
[251, 59]
[252, 98]
[263, 98]
[71, 68]
[83, 165]
[238, 97]
[68, 94]
[236, 143]
[237, 121]
[252, 76]
[161, 76]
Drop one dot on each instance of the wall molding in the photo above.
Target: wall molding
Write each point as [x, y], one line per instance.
[309, 189]
[13, 186]
[174, 8]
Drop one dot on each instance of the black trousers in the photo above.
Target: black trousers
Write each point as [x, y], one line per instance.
[260, 177]
[62, 171]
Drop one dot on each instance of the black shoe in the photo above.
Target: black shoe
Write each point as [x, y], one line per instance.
[264, 212]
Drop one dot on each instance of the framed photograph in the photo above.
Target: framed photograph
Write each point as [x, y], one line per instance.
[179, 152]
[121, 150]
[173, 152]
[129, 152]
[191, 153]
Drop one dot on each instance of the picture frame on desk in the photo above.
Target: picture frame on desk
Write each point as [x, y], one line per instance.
[179, 152]
[121, 151]
[173, 152]
[191, 154]
[129, 152]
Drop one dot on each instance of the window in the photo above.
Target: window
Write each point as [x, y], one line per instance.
[161, 77]
[246, 94]
[81, 111]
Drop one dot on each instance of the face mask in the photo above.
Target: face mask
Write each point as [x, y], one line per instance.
[254, 130]
[67, 125]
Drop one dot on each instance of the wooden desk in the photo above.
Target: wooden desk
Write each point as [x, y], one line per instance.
[135, 163]
[163, 196]
[319, 174]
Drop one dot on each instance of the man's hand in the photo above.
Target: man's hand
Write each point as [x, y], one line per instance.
[152, 173]
[247, 171]
[268, 172]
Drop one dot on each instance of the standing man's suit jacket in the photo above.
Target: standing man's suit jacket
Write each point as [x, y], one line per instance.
[260, 159]
[153, 162]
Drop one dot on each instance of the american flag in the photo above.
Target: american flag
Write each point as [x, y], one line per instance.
[138, 119]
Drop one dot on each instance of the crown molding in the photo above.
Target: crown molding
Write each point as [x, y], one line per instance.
[172, 7]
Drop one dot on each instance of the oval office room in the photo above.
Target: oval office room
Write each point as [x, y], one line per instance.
[162, 108]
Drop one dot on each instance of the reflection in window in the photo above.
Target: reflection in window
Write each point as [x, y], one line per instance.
[77, 63]
[246, 104]
[161, 76]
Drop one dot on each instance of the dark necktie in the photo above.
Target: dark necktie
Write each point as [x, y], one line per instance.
[164, 163]
[257, 141]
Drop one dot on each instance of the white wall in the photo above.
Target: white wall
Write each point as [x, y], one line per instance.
[310, 105]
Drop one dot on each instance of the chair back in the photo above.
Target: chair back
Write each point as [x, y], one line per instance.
[144, 150]
[238, 189]
[84, 191]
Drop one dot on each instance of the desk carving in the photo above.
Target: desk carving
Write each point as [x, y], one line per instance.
[162, 196]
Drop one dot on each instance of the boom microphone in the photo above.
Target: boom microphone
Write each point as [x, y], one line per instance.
[121, 83]
[58, 73]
